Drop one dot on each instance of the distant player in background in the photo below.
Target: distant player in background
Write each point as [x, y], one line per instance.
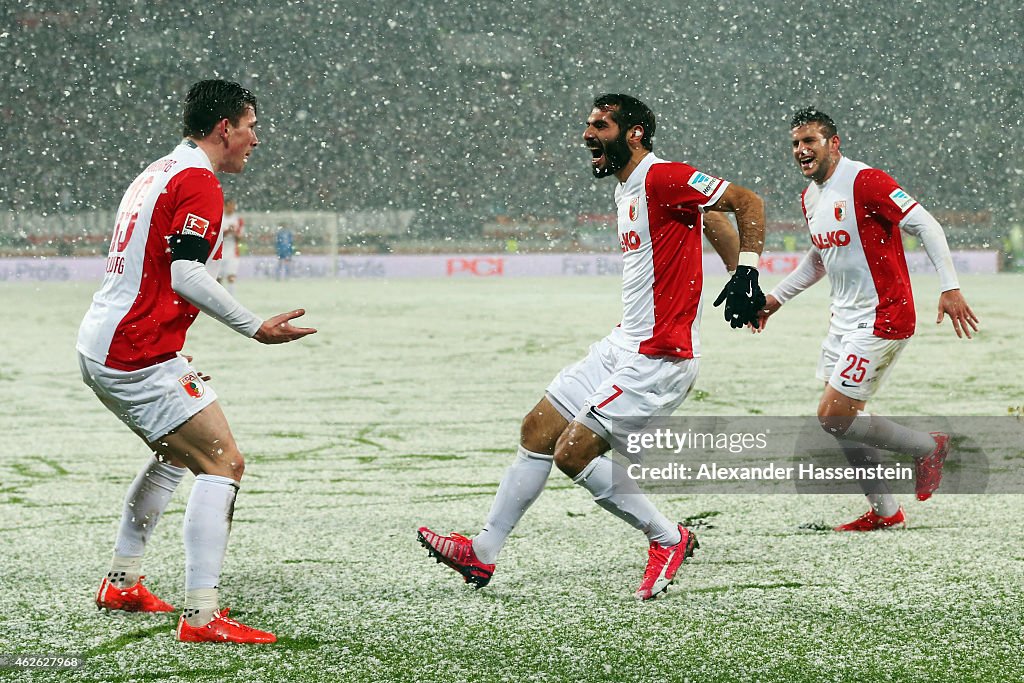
[232, 227]
[855, 214]
[285, 244]
[129, 343]
[646, 366]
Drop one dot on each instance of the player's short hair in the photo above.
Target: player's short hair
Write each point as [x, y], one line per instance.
[628, 111]
[809, 115]
[209, 102]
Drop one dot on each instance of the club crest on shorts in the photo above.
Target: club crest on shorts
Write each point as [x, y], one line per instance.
[840, 210]
[193, 385]
[634, 209]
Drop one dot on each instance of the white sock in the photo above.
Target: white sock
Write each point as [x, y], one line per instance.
[207, 525]
[522, 484]
[124, 571]
[200, 606]
[883, 504]
[881, 432]
[146, 500]
[617, 493]
[878, 493]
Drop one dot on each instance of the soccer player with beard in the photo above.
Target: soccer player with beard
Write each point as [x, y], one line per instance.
[855, 214]
[646, 366]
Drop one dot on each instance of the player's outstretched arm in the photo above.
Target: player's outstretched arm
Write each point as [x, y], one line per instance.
[190, 279]
[279, 329]
[952, 303]
[771, 306]
[920, 223]
[810, 269]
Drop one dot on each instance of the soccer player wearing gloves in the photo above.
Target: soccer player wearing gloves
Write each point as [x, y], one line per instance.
[742, 294]
[645, 367]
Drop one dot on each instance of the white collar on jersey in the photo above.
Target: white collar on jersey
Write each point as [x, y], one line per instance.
[635, 182]
[191, 149]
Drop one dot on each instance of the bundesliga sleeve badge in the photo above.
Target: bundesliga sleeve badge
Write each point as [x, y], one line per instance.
[195, 225]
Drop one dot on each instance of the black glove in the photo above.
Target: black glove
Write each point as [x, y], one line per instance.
[743, 298]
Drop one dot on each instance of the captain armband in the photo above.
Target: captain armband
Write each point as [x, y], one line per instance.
[188, 248]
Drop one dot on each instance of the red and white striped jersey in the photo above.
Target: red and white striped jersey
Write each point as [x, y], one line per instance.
[136, 319]
[660, 231]
[854, 220]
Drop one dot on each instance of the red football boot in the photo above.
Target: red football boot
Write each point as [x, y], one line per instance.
[135, 598]
[222, 630]
[928, 470]
[663, 562]
[870, 521]
[456, 551]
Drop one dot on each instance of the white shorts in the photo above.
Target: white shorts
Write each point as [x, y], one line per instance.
[229, 266]
[856, 363]
[153, 401]
[615, 392]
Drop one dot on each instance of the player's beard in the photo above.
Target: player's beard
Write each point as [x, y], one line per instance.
[616, 156]
[825, 163]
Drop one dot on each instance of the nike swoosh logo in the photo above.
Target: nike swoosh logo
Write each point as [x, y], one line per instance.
[750, 290]
[664, 569]
[847, 384]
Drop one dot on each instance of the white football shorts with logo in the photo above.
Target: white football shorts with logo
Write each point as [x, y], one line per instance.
[153, 401]
[856, 363]
[615, 392]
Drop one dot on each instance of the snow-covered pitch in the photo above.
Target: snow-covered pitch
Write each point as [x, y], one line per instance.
[404, 410]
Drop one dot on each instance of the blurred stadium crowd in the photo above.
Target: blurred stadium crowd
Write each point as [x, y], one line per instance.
[469, 113]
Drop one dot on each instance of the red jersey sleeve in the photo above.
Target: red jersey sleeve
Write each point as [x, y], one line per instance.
[198, 204]
[682, 189]
[879, 194]
[678, 184]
